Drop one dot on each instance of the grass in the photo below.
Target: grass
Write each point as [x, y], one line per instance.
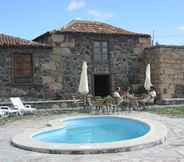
[169, 111]
[10, 119]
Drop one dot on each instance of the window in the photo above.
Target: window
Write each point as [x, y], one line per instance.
[100, 51]
[23, 69]
[132, 74]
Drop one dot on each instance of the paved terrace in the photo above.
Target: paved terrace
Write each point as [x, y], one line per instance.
[172, 151]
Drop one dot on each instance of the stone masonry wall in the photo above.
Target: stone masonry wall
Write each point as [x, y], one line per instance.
[167, 68]
[71, 49]
[43, 70]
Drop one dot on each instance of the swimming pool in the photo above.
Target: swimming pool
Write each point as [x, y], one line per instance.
[93, 135]
[95, 130]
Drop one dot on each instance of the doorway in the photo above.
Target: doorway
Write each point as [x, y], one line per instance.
[102, 85]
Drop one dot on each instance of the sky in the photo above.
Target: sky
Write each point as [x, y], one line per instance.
[29, 18]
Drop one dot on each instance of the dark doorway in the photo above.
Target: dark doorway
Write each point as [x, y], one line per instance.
[102, 85]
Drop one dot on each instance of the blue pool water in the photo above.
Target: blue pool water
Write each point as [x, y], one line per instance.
[95, 130]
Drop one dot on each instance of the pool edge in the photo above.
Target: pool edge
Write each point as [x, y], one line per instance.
[156, 136]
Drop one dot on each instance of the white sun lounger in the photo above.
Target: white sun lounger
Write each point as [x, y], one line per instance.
[6, 111]
[17, 103]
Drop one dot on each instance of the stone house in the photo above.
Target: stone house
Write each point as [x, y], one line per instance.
[167, 67]
[49, 67]
[113, 55]
[23, 68]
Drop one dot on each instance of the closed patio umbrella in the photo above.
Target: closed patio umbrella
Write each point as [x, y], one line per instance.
[147, 83]
[83, 85]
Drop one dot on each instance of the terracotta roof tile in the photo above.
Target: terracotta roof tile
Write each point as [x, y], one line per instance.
[95, 27]
[10, 41]
[82, 26]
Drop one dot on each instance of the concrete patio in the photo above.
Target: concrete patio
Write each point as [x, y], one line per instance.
[172, 151]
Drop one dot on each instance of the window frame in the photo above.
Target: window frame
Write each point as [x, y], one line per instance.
[14, 70]
[100, 48]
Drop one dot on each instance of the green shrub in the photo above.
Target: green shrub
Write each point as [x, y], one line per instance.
[125, 84]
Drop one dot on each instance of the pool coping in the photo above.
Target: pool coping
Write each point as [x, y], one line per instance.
[156, 135]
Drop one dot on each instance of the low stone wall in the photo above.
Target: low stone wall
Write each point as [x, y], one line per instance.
[50, 104]
[74, 105]
[172, 101]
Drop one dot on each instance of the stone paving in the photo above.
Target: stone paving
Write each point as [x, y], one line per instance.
[171, 151]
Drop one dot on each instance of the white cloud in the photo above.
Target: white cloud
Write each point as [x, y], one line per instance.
[100, 15]
[78, 18]
[76, 5]
[181, 28]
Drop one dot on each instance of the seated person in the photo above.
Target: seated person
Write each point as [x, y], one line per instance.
[130, 99]
[150, 98]
[128, 94]
[117, 95]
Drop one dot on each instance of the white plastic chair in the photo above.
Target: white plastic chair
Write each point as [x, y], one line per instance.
[17, 103]
[6, 111]
[2, 113]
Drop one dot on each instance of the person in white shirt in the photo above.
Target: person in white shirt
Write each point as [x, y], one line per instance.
[152, 92]
[150, 98]
[117, 95]
[117, 92]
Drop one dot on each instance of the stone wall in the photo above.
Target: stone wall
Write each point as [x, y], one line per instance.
[43, 71]
[56, 71]
[71, 49]
[167, 70]
[50, 104]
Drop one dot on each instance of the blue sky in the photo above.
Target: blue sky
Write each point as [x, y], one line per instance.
[28, 19]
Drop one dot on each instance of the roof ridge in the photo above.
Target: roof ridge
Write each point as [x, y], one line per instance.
[91, 21]
[8, 40]
[15, 37]
[89, 26]
[72, 22]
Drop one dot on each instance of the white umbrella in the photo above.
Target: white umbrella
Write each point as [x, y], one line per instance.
[83, 85]
[147, 83]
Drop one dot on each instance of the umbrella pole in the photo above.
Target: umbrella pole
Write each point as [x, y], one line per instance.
[85, 102]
